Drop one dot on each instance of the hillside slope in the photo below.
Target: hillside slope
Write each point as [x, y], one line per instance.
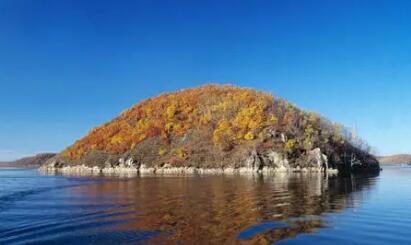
[216, 126]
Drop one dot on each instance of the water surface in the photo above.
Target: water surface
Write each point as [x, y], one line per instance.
[297, 209]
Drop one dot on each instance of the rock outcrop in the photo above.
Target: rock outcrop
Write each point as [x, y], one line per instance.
[317, 159]
[255, 163]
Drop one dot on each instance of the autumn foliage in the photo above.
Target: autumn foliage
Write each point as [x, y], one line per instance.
[233, 115]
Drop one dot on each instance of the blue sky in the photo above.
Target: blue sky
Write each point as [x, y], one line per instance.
[68, 66]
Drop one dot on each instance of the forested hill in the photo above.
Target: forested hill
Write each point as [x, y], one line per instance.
[213, 125]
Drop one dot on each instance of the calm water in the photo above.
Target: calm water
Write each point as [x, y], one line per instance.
[298, 209]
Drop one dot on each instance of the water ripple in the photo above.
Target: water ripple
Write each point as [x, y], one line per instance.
[290, 209]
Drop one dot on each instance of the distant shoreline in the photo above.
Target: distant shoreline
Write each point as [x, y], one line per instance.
[395, 159]
[28, 162]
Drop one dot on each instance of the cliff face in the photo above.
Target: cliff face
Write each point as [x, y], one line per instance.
[216, 127]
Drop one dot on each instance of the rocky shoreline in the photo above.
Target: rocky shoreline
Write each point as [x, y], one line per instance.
[256, 163]
[86, 170]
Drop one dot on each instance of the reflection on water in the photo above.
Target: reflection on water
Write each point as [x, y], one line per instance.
[191, 209]
[217, 209]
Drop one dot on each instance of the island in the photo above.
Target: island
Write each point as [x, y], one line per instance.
[216, 129]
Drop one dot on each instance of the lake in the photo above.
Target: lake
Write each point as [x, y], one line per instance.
[285, 209]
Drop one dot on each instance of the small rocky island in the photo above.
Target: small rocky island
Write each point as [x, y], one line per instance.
[215, 129]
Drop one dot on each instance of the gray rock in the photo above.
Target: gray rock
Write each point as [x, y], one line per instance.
[276, 135]
[316, 159]
[121, 162]
[52, 164]
[283, 138]
[184, 139]
[108, 164]
[266, 161]
[325, 161]
[130, 162]
[249, 162]
[277, 160]
[272, 133]
[253, 161]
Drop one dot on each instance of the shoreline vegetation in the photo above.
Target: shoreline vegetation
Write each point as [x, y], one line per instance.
[216, 129]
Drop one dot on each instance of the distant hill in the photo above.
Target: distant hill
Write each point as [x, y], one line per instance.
[400, 158]
[215, 126]
[32, 161]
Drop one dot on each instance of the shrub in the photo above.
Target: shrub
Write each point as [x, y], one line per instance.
[290, 145]
[249, 136]
[162, 151]
[223, 135]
